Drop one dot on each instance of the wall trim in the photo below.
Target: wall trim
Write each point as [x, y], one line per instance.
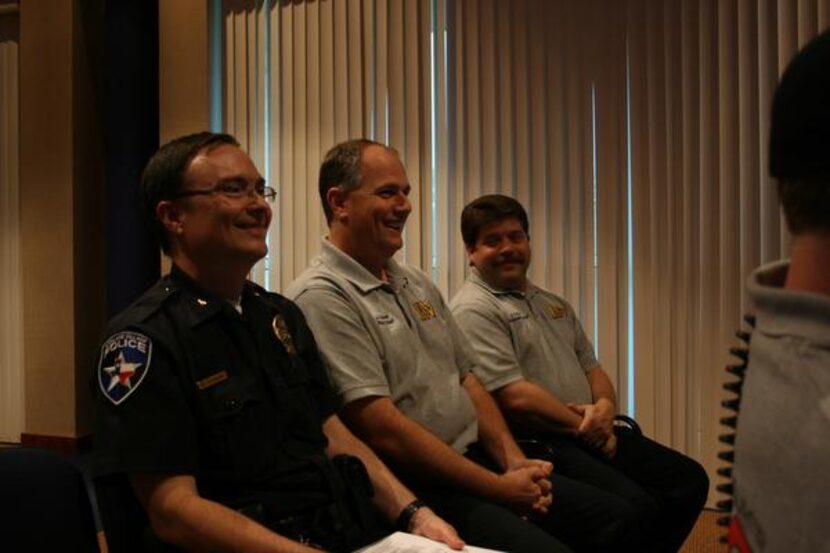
[60, 444]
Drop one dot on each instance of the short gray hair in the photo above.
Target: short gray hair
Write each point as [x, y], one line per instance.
[341, 167]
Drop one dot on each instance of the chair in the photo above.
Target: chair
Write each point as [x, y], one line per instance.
[625, 421]
[45, 503]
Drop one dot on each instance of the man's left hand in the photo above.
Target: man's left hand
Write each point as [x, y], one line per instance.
[604, 412]
[610, 447]
[590, 431]
[519, 463]
[429, 525]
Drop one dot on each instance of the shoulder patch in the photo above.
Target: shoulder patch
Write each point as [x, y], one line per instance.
[125, 360]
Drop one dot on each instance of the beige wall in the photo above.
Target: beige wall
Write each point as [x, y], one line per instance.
[62, 193]
[183, 68]
[61, 199]
[184, 72]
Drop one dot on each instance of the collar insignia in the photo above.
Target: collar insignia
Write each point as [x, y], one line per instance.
[124, 362]
[281, 331]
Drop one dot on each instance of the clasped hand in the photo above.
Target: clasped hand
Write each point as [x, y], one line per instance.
[527, 489]
[597, 427]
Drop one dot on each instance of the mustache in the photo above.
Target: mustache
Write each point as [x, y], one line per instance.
[511, 258]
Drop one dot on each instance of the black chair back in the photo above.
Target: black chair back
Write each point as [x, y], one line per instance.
[45, 503]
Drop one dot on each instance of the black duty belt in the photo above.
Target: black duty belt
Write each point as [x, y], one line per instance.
[345, 524]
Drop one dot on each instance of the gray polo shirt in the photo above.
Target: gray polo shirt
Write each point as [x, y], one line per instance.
[395, 339]
[533, 335]
[782, 447]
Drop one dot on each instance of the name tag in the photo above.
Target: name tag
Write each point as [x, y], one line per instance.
[516, 316]
[384, 319]
[212, 380]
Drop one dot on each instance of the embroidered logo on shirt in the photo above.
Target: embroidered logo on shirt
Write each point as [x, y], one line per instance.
[281, 330]
[124, 362]
[516, 316]
[212, 380]
[556, 311]
[424, 310]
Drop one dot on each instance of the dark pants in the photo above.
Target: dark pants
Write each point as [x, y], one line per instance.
[662, 490]
[582, 517]
[485, 524]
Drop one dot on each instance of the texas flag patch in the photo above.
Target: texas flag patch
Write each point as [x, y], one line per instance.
[125, 360]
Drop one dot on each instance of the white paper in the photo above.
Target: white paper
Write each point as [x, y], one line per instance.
[400, 542]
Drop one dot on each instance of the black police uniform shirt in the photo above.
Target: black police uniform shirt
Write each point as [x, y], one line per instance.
[185, 384]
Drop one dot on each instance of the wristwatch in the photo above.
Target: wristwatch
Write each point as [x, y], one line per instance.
[405, 518]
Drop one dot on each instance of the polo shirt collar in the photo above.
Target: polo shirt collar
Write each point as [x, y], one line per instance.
[476, 278]
[788, 312]
[356, 273]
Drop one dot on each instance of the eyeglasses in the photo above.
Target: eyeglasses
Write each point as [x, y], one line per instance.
[233, 189]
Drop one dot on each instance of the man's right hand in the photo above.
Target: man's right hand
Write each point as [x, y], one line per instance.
[526, 490]
[426, 523]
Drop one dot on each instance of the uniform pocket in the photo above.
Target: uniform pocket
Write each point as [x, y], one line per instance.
[238, 418]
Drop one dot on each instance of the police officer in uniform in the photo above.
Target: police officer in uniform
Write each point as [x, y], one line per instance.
[213, 411]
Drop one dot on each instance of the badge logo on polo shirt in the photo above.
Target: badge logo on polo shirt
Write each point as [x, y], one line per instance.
[125, 360]
[424, 310]
[516, 316]
[556, 311]
[384, 319]
[281, 331]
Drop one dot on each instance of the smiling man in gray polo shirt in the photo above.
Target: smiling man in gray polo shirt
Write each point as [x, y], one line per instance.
[538, 362]
[403, 371]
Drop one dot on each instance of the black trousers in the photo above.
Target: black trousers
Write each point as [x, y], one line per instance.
[662, 491]
[486, 524]
[582, 517]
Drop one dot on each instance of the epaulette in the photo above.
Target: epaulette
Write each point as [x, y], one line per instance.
[147, 304]
[254, 287]
[275, 299]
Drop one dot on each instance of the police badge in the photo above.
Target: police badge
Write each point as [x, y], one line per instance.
[281, 331]
[125, 359]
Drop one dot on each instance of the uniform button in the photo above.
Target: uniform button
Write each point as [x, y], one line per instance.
[166, 288]
[231, 403]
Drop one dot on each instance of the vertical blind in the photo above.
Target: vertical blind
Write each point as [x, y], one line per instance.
[634, 132]
[11, 312]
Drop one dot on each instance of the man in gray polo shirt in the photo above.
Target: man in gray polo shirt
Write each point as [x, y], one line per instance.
[782, 450]
[536, 359]
[403, 372]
